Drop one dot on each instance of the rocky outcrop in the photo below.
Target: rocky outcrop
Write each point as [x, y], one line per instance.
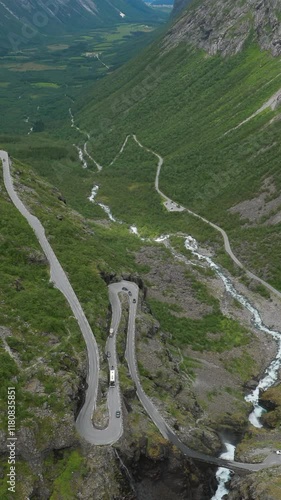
[158, 470]
[271, 401]
[114, 278]
[223, 26]
[262, 485]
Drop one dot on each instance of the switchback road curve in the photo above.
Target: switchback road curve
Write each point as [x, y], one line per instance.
[57, 275]
[166, 431]
[84, 423]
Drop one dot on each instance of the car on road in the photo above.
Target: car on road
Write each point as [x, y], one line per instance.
[134, 301]
[124, 288]
[117, 414]
[130, 293]
[278, 452]
[108, 354]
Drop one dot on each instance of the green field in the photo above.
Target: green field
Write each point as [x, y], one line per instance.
[30, 77]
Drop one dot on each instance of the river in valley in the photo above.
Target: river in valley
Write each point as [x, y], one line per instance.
[271, 373]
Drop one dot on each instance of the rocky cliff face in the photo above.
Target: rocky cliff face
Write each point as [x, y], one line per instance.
[224, 25]
[170, 476]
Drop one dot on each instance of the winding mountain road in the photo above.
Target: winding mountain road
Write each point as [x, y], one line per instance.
[84, 421]
[166, 431]
[61, 282]
[172, 206]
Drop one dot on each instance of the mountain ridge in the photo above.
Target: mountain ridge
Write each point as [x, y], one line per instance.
[223, 26]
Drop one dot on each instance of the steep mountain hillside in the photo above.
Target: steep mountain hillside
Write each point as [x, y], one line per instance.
[201, 108]
[215, 120]
[42, 355]
[21, 22]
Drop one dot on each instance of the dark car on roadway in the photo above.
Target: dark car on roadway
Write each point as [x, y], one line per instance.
[130, 293]
[124, 288]
[117, 414]
[134, 301]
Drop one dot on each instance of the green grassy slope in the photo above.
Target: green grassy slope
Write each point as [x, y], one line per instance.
[181, 104]
[30, 307]
[42, 351]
